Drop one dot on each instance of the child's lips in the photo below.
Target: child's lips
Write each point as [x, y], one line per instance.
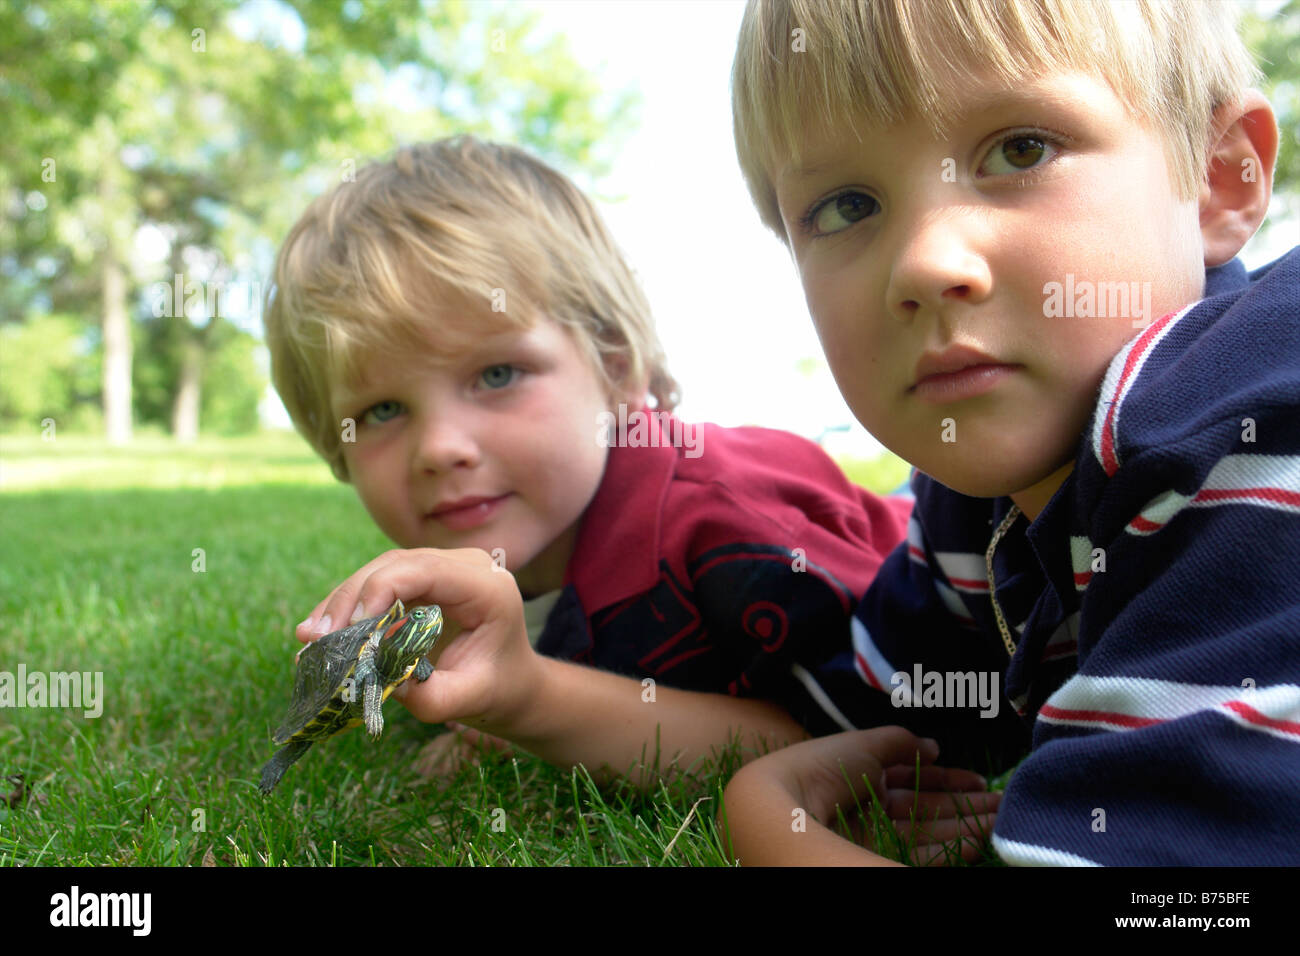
[465, 513]
[968, 382]
[957, 372]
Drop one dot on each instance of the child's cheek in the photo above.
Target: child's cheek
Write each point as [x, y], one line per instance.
[364, 457]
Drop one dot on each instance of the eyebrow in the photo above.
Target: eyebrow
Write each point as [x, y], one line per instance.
[983, 102]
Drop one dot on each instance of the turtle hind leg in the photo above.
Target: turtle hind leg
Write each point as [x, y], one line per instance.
[282, 761]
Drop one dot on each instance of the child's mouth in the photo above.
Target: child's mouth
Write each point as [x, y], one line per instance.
[956, 373]
[965, 383]
[467, 513]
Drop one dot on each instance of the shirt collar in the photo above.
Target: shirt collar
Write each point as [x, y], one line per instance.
[616, 555]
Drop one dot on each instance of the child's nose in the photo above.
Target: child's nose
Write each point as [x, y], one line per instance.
[935, 263]
[447, 440]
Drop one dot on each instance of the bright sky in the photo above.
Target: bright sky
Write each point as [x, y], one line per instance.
[725, 293]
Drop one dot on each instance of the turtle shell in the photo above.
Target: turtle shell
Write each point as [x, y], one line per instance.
[323, 666]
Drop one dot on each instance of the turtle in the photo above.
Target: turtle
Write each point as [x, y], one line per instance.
[344, 677]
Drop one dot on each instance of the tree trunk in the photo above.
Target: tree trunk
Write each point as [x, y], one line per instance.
[185, 410]
[117, 321]
[117, 352]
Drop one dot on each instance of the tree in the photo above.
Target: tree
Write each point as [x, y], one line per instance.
[1275, 41]
[202, 126]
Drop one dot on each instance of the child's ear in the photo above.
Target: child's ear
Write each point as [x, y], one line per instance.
[1239, 181]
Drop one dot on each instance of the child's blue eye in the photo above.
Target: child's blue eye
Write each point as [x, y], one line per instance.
[381, 412]
[839, 212]
[498, 376]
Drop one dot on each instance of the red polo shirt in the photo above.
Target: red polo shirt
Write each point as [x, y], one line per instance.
[733, 566]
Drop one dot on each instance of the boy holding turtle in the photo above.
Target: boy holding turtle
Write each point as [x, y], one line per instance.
[454, 332]
[1118, 526]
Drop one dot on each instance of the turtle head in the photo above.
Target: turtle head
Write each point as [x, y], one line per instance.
[408, 637]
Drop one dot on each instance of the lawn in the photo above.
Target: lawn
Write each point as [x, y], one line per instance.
[179, 574]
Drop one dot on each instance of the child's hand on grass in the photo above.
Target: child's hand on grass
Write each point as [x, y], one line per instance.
[945, 813]
[446, 754]
[486, 669]
[764, 800]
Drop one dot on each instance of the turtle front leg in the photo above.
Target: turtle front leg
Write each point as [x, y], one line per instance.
[284, 758]
[367, 678]
[372, 706]
[423, 670]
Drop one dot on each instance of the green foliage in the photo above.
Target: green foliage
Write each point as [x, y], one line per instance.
[232, 384]
[882, 474]
[1275, 42]
[206, 125]
[45, 372]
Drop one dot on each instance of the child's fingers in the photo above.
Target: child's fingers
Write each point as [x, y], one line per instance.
[337, 610]
[925, 805]
[443, 756]
[869, 751]
[470, 693]
[934, 778]
[457, 580]
[935, 843]
[449, 578]
[439, 699]
[477, 738]
[343, 605]
[817, 769]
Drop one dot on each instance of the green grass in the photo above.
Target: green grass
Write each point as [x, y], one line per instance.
[883, 474]
[28, 463]
[97, 573]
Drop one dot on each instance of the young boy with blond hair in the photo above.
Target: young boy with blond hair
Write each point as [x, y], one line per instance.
[456, 333]
[1015, 224]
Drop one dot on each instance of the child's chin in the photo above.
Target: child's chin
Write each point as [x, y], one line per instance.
[978, 481]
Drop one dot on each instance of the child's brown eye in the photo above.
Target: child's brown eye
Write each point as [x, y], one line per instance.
[1023, 151]
[840, 212]
[1019, 153]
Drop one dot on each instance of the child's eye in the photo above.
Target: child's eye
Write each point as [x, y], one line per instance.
[498, 376]
[1018, 153]
[836, 213]
[381, 412]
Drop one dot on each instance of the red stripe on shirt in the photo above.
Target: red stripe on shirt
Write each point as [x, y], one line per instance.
[1098, 716]
[1143, 524]
[865, 671]
[1280, 495]
[1263, 720]
[1108, 460]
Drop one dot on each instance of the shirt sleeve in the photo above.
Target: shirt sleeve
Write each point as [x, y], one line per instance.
[1178, 740]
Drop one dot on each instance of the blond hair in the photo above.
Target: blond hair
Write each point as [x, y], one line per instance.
[1171, 61]
[458, 223]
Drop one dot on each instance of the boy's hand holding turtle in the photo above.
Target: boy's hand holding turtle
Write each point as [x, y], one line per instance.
[489, 678]
[488, 675]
